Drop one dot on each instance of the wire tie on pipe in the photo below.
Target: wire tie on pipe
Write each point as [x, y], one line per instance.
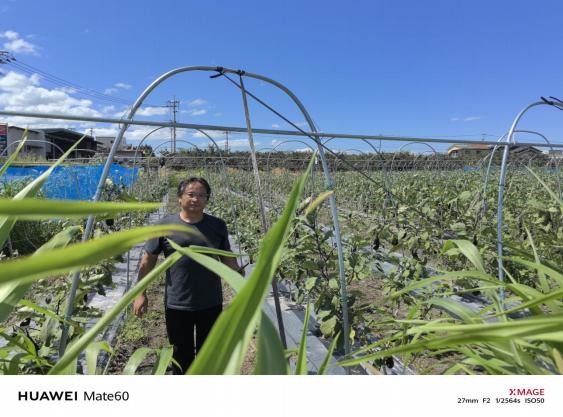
[220, 71]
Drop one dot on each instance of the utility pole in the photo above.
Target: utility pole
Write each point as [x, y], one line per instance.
[226, 141]
[173, 105]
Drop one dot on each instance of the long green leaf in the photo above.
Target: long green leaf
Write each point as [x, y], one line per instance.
[317, 202]
[550, 192]
[301, 363]
[34, 209]
[326, 361]
[229, 338]
[73, 351]
[448, 276]
[92, 352]
[12, 292]
[270, 357]
[78, 255]
[136, 359]
[469, 250]
[164, 358]
[541, 268]
[15, 154]
[541, 276]
[456, 309]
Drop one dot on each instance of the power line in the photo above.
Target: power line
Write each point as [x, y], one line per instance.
[8, 59]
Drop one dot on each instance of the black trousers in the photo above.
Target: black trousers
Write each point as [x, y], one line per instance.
[187, 330]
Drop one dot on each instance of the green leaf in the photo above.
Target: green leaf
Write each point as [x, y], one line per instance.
[464, 196]
[163, 360]
[301, 364]
[541, 277]
[14, 155]
[136, 359]
[12, 292]
[469, 250]
[455, 309]
[541, 268]
[317, 202]
[92, 352]
[270, 357]
[328, 326]
[326, 361]
[73, 351]
[78, 255]
[550, 192]
[40, 209]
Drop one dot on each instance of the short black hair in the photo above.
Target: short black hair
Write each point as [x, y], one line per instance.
[182, 186]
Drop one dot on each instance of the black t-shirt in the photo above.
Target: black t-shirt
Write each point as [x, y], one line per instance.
[189, 285]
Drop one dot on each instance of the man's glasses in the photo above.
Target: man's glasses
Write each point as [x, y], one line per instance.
[197, 195]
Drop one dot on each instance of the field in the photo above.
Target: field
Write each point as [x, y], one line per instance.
[419, 253]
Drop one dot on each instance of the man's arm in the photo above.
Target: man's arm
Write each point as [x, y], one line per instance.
[148, 261]
[232, 263]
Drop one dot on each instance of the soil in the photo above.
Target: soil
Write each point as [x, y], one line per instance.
[150, 331]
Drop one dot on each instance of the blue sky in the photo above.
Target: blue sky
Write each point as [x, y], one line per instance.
[456, 69]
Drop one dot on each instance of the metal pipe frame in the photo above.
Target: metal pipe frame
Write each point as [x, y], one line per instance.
[131, 121]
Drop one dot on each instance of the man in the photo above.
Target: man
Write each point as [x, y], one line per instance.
[193, 294]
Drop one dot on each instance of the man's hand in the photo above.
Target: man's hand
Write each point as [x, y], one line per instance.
[140, 305]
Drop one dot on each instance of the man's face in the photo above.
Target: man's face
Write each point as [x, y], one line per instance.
[194, 199]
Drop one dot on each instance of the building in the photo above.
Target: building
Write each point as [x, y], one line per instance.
[65, 138]
[43, 144]
[106, 142]
[468, 150]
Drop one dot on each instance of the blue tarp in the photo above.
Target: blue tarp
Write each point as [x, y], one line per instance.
[72, 182]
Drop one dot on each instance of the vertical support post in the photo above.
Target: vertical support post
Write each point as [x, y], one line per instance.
[261, 205]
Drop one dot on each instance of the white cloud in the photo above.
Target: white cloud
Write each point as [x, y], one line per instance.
[18, 45]
[194, 112]
[123, 86]
[275, 126]
[116, 87]
[19, 92]
[304, 150]
[152, 111]
[197, 102]
[465, 119]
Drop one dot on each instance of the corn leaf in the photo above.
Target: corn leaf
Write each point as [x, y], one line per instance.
[14, 155]
[301, 364]
[92, 352]
[78, 255]
[164, 358]
[136, 359]
[34, 209]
